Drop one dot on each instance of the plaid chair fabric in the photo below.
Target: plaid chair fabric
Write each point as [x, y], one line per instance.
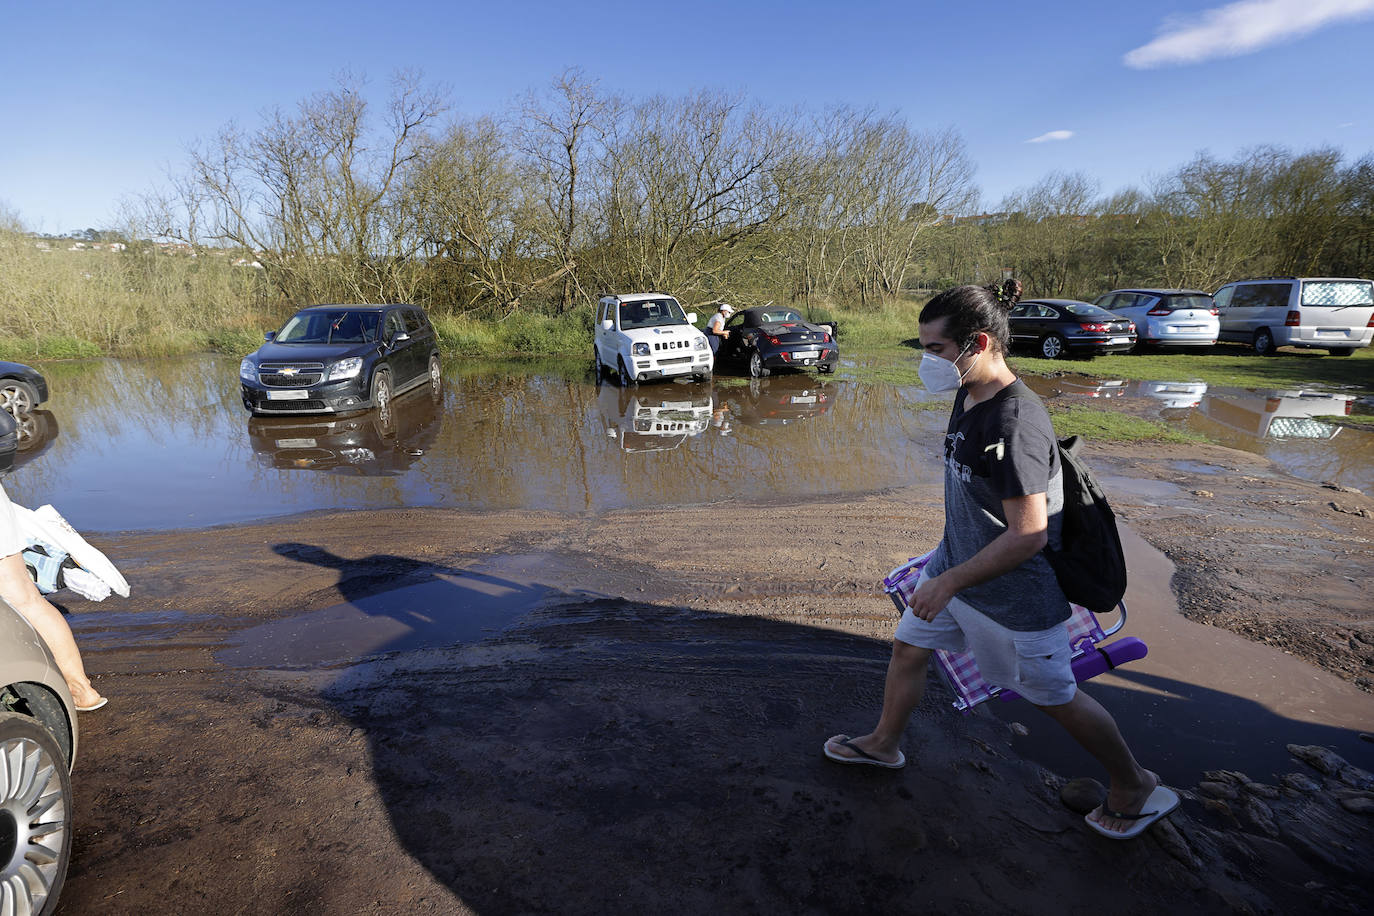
[959, 669]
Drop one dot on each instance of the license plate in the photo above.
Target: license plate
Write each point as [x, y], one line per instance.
[296, 395]
[295, 443]
[1121, 340]
[804, 399]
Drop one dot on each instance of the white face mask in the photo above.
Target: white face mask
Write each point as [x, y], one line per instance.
[940, 375]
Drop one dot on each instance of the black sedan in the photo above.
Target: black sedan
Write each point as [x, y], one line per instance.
[1059, 327]
[21, 388]
[776, 337]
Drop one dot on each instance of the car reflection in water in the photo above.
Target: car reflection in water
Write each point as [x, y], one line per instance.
[1177, 399]
[1076, 386]
[380, 443]
[37, 430]
[651, 419]
[1279, 414]
[779, 400]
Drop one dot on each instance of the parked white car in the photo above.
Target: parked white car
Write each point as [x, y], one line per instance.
[643, 336]
[1166, 317]
[1328, 313]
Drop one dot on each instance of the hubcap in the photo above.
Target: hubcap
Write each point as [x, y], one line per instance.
[33, 815]
[15, 399]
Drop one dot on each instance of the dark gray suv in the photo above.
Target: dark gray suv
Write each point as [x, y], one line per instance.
[340, 359]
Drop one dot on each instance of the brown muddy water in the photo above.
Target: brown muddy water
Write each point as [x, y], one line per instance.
[140, 444]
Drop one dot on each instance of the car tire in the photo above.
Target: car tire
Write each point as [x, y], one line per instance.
[17, 396]
[1052, 346]
[626, 379]
[436, 374]
[37, 799]
[1264, 342]
[756, 367]
[381, 389]
[1340, 351]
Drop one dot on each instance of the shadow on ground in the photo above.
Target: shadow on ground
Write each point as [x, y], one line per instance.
[603, 756]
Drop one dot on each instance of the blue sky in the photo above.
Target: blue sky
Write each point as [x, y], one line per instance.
[101, 98]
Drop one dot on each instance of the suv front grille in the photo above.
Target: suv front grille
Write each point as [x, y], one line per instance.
[292, 406]
[290, 375]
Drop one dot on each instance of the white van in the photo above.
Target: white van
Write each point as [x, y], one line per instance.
[647, 335]
[1333, 314]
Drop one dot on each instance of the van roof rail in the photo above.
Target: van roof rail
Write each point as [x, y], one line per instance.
[1249, 279]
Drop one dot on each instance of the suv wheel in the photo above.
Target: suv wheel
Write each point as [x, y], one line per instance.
[35, 815]
[381, 388]
[17, 396]
[1340, 351]
[625, 377]
[1264, 342]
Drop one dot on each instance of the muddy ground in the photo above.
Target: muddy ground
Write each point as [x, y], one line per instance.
[636, 726]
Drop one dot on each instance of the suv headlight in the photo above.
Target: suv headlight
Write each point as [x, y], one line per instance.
[640, 349]
[345, 368]
[700, 344]
[247, 370]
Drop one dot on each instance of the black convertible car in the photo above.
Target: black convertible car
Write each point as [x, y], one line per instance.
[776, 337]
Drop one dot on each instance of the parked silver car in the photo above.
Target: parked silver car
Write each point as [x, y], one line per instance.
[1166, 317]
[1330, 313]
[37, 748]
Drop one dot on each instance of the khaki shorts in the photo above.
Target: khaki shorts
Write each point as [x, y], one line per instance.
[1036, 664]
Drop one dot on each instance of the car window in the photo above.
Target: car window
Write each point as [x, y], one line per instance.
[1338, 292]
[735, 321]
[1084, 310]
[1261, 295]
[1222, 298]
[1020, 311]
[777, 316]
[394, 325]
[330, 326]
[415, 322]
[1189, 302]
[651, 313]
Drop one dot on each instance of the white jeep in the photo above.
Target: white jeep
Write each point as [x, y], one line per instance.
[647, 335]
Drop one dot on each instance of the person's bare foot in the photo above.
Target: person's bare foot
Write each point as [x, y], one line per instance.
[844, 746]
[86, 698]
[1124, 800]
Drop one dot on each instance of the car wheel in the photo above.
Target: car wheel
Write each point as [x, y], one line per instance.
[1052, 346]
[436, 374]
[381, 389]
[625, 377]
[756, 367]
[17, 396]
[1341, 351]
[35, 816]
[598, 370]
[1264, 342]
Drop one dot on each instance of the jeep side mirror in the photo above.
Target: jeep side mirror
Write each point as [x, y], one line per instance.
[608, 324]
[269, 335]
[691, 317]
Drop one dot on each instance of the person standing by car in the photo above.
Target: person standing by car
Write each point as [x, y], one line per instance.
[988, 587]
[18, 589]
[715, 327]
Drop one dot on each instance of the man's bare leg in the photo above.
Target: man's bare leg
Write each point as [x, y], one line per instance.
[1095, 729]
[902, 692]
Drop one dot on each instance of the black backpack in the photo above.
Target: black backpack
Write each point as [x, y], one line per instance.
[1090, 565]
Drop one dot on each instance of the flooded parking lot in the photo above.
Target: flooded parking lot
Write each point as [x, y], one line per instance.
[545, 436]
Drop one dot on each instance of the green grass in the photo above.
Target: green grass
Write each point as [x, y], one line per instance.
[21, 349]
[1109, 426]
[1226, 365]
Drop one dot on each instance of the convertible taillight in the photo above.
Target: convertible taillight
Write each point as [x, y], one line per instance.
[825, 338]
[773, 340]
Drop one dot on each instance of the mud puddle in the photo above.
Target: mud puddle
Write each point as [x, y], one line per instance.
[1294, 428]
[450, 608]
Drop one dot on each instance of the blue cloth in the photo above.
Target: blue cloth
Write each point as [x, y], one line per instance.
[45, 561]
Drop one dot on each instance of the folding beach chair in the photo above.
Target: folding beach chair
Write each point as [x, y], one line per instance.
[960, 671]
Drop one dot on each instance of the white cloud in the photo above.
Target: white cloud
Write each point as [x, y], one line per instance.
[1052, 135]
[1241, 28]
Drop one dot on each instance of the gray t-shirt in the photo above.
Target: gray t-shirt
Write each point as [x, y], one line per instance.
[1002, 448]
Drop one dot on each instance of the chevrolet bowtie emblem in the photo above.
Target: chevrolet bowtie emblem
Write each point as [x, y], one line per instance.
[289, 370]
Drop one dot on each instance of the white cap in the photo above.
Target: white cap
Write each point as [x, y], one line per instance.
[727, 310]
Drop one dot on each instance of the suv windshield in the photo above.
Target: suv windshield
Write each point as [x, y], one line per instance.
[330, 326]
[650, 313]
[1338, 293]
